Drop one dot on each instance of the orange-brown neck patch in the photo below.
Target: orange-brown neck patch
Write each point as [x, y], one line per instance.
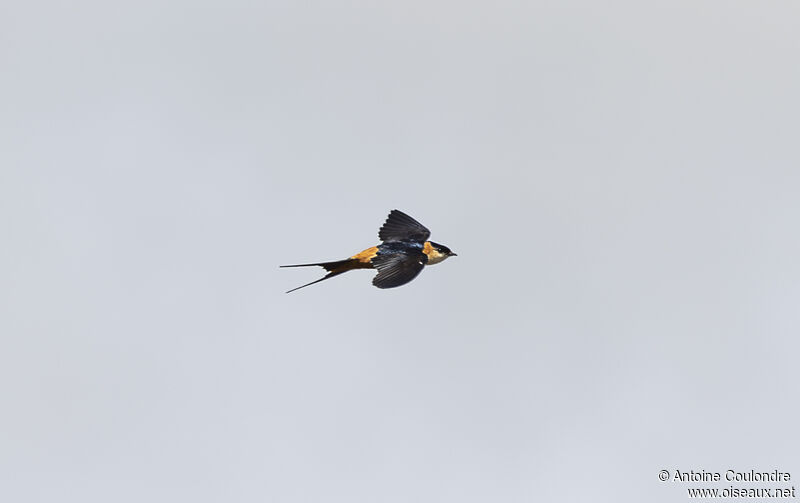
[434, 255]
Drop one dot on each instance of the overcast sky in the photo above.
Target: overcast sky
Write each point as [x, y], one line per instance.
[620, 180]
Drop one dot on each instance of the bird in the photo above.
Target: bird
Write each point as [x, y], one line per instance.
[403, 253]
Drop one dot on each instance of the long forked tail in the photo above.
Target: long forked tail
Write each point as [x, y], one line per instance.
[334, 269]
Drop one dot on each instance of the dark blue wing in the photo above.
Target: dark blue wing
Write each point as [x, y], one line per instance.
[401, 227]
[397, 269]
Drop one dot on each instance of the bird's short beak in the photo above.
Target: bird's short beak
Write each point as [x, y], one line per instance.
[453, 254]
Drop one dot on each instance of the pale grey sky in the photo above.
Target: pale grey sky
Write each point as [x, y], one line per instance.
[620, 181]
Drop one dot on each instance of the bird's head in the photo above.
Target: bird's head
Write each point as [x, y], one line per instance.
[438, 253]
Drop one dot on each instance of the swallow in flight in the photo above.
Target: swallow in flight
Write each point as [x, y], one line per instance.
[403, 253]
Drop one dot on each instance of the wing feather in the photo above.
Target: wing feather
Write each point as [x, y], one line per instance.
[397, 268]
[401, 227]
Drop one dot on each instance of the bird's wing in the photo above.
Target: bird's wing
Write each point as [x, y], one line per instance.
[397, 268]
[401, 227]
